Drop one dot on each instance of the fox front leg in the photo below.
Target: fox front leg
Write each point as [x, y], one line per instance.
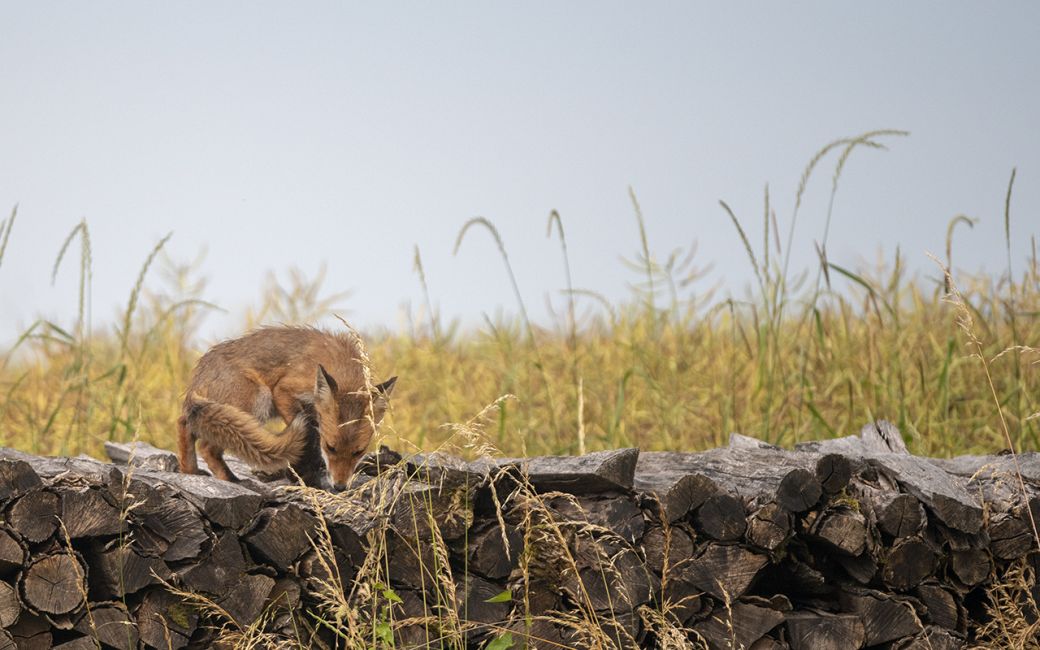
[311, 465]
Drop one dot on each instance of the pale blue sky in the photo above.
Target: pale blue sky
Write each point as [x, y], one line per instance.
[280, 134]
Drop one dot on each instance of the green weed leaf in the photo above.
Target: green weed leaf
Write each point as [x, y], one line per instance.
[384, 633]
[503, 642]
[504, 597]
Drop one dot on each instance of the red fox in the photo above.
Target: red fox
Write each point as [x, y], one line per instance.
[311, 378]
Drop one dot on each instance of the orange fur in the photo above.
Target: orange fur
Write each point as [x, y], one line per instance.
[310, 378]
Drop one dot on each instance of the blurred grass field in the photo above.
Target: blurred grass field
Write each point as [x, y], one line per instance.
[801, 356]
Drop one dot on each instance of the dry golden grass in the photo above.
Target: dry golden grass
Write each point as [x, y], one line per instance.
[802, 356]
[798, 358]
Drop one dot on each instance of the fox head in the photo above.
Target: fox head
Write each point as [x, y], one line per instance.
[347, 421]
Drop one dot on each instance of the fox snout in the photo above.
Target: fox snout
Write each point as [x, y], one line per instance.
[340, 469]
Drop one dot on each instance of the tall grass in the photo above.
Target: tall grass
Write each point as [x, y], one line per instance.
[806, 353]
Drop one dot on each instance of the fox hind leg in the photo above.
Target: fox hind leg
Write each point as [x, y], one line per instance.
[214, 457]
[188, 461]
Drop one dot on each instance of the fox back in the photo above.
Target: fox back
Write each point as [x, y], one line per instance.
[293, 372]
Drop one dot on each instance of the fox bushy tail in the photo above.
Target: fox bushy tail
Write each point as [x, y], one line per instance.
[242, 434]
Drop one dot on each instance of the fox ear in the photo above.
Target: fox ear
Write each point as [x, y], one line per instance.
[324, 385]
[384, 389]
[380, 398]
